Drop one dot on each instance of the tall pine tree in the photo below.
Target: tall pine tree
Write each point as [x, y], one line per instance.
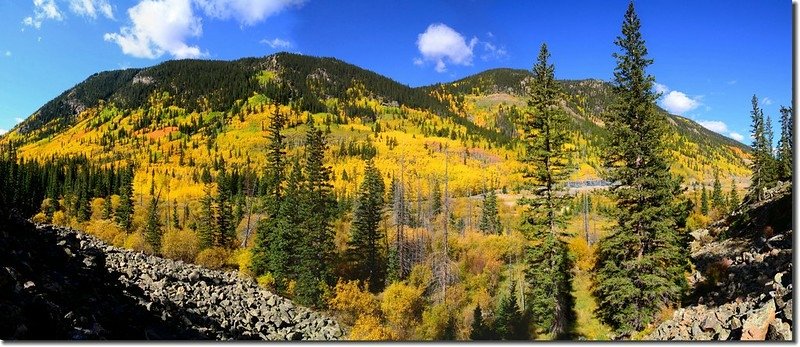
[641, 263]
[717, 198]
[490, 218]
[366, 246]
[785, 145]
[761, 178]
[545, 128]
[271, 253]
[316, 246]
[124, 212]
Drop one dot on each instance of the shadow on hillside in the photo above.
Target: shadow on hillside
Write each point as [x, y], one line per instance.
[50, 292]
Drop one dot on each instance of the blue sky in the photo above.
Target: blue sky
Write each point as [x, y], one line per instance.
[710, 56]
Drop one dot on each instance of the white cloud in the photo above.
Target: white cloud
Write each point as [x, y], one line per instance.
[440, 43]
[491, 51]
[714, 125]
[159, 26]
[90, 8]
[660, 88]
[42, 10]
[3, 131]
[18, 119]
[247, 12]
[678, 103]
[766, 101]
[736, 136]
[732, 82]
[277, 43]
[7, 53]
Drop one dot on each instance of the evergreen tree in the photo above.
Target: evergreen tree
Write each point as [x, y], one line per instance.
[641, 263]
[436, 199]
[717, 198]
[545, 134]
[785, 145]
[124, 212]
[508, 322]
[317, 248]
[205, 222]
[490, 219]
[366, 245]
[175, 221]
[479, 330]
[269, 251]
[152, 228]
[107, 212]
[224, 224]
[762, 155]
[704, 201]
[733, 200]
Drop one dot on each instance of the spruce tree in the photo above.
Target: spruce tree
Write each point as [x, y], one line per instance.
[545, 135]
[641, 262]
[762, 156]
[107, 212]
[704, 201]
[269, 251]
[490, 219]
[366, 246]
[317, 248]
[479, 330]
[508, 322]
[785, 145]
[205, 219]
[124, 213]
[436, 198]
[152, 227]
[717, 198]
[733, 199]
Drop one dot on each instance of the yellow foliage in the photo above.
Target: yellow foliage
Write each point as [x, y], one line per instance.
[697, 221]
[137, 242]
[266, 281]
[213, 258]
[401, 306]
[352, 301]
[180, 245]
[60, 218]
[434, 322]
[97, 208]
[583, 253]
[39, 218]
[105, 230]
[243, 258]
[369, 328]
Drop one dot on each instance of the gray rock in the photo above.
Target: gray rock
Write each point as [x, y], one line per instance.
[779, 330]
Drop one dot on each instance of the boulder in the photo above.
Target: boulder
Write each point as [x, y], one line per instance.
[758, 321]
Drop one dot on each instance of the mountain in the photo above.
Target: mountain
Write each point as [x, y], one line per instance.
[190, 115]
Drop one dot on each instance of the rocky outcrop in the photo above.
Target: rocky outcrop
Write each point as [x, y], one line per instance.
[63, 284]
[742, 283]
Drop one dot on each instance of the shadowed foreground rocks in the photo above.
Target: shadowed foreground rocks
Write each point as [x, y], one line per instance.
[742, 283]
[56, 283]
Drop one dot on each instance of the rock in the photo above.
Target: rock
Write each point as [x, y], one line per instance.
[779, 330]
[194, 276]
[29, 285]
[758, 321]
[711, 324]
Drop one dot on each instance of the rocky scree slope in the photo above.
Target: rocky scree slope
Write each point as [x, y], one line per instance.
[742, 284]
[57, 283]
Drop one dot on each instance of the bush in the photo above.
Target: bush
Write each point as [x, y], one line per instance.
[39, 218]
[401, 306]
[180, 244]
[97, 208]
[369, 328]
[242, 259]
[60, 218]
[105, 230]
[137, 242]
[351, 301]
[266, 281]
[213, 258]
[583, 253]
[434, 323]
